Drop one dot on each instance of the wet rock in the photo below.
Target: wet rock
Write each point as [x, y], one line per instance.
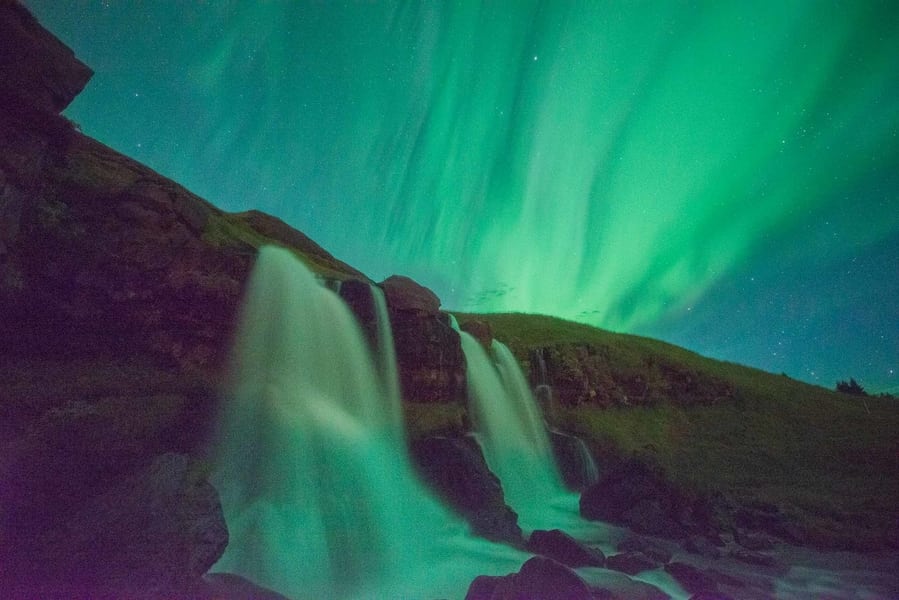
[576, 465]
[455, 468]
[540, 578]
[479, 330]
[483, 587]
[753, 558]
[558, 545]
[227, 586]
[691, 578]
[753, 541]
[631, 562]
[699, 544]
[616, 586]
[646, 546]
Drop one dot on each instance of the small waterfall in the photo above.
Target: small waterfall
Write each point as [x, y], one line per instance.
[512, 431]
[318, 492]
[386, 349]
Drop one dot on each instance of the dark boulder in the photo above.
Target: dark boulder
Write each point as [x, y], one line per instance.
[151, 535]
[227, 586]
[560, 546]
[405, 294]
[691, 578]
[540, 578]
[479, 330]
[576, 464]
[638, 496]
[617, 586]
[652, 549]
[631, 562]
[455, 468]
[699, 544]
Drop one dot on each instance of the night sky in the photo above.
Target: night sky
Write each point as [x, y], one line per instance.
[720, 175]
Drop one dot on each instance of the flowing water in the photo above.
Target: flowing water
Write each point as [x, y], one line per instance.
[311, 464]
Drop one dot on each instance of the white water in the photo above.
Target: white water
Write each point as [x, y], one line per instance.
[514, 439]
[311, 464]
[386, 351]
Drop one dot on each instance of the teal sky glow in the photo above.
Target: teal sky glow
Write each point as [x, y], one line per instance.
[723, 175]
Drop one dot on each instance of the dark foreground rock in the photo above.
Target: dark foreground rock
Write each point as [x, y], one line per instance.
[455, 468]
[637, 495]
[151, 535]
[540, 578]
[560, 546]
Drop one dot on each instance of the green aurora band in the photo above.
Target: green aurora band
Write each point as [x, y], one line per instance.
[607, 162]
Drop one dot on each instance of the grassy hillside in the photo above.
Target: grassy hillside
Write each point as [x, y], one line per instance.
[828, 461]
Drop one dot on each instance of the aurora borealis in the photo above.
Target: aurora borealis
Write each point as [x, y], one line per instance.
[721, 175]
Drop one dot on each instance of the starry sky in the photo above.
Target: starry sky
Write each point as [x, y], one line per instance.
[720, 175]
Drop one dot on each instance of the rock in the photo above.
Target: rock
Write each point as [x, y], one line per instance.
[479, 330]
[36, 69]
[576, 465]
[651, 549]
[558, 545]
[455, 468]
[429, 357]
[483, 587]
[637, 496]
[753, 558]
[227, 586]
[698, 544]
[691, 578]
[152, 535]
[540, 578]
[753, 541]
[630, 562]
[405, 294]
[616, 586]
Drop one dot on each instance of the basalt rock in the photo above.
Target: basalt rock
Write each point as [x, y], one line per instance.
[479, 330]
[428, 351]
[560, 546]
[456, 469]
[150, 535]
[539, 578]
[637, 495]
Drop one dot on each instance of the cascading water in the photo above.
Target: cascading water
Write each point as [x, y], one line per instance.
[386, 349]
[511, 431]
[311, 463]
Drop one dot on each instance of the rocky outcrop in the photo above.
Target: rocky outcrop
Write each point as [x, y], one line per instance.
[428, 350]
[582, 373]
[560, 546]
[479, 330]
[576, 464]
[539, 578]
[637, 495]
[150, 535]
[455, 468]
[37, 70]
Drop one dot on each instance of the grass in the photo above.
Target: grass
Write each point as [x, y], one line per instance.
[829, 460]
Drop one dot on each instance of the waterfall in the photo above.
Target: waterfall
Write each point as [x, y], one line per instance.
[386, 351]
[311, 465]
[512, 431]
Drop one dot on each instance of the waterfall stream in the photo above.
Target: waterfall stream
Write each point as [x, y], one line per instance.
[311, 463]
